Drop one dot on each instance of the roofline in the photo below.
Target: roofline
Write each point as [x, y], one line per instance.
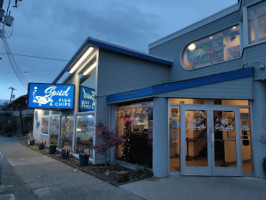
[179, 85]
[196, 25]
[115, 48]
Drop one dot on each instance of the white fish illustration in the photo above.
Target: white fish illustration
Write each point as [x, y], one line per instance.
[42, 100]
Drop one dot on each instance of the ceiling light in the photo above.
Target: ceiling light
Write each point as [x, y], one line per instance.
[234, 27]
[192, 47]
[90, 69]
[211, 38]
[89, 50]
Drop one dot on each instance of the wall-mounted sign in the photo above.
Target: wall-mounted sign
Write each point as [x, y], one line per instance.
[86, 99]
[50, 96]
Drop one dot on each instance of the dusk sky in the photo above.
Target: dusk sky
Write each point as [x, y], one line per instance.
[55, 29]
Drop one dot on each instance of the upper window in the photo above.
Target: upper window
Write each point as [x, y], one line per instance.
[221, 46]
[257, 23]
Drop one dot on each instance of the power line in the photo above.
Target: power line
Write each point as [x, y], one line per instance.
[37, 57]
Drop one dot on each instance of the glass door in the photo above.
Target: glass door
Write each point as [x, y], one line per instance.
[210, 141]
[195, 145]
[226, 158]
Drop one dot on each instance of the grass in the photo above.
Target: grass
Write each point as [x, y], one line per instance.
[107, 173]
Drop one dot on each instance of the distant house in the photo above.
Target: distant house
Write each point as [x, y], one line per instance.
[22, 116]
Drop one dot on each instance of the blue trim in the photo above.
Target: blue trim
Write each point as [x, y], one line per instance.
[168, 87]
[111, 47]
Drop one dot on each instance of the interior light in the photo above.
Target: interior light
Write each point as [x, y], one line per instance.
[192, 47]
[90, 69]
[211, 38]
[89, 50]
[234, 27]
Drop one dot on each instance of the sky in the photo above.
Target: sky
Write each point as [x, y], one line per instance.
[55, 29]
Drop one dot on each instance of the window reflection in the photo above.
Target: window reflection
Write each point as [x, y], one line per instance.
[54, 128]
[85, 131]
[67, 124]
[174, 139]
[257, 22]
[215, 48]
[45, 124]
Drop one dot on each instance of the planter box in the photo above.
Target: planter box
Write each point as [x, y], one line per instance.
[41, 146]
[122, 176]
[52, 149]
[64, 154]
[83, 160]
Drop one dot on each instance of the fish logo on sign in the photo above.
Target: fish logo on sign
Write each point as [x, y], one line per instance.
[41, 99]
[90, 97]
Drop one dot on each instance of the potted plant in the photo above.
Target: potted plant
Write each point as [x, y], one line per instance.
[65, 153]
[42, 144]
[31, 140]
[84, 159]
[52, 146]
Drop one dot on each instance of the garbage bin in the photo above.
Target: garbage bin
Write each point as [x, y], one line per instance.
[1, 162]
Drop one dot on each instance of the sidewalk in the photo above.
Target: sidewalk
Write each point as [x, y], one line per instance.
[29, 175]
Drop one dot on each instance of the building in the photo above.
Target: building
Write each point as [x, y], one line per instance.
[22, 116]
[195, 105]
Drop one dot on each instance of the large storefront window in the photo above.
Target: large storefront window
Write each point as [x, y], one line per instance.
[67, 128]
[215, 48]
[54, 128]
[257, 23]
[134, 123]
[45, 125]
[85, 131]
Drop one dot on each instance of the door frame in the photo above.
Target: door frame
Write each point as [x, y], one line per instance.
[210, 170]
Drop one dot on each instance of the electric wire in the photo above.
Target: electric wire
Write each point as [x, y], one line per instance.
[38, 57]
[14, 65]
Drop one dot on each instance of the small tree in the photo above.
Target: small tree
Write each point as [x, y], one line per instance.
[109, 139]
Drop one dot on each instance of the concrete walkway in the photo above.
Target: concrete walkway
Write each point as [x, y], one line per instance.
[29, 175]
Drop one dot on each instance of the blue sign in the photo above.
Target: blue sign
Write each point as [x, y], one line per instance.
[86, 99]
[50, 96]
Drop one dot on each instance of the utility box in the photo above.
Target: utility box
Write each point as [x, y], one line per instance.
[8, 20]
[1, 163]
[2, 12]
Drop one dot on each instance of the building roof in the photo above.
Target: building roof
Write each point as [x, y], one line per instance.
[114, 48]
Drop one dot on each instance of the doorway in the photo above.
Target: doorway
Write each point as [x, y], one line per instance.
[210, 140]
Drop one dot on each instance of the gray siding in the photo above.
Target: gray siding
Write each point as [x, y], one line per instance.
[235, 89]
[119, 73]
[173, 50]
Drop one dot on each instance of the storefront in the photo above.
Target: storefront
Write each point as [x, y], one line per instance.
[195, 105]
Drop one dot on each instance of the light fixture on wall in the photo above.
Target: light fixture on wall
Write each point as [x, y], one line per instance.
[192, 47]
[83, 57]
[90, 68]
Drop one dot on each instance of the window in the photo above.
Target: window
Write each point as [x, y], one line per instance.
[222, 46]
[257, 23]
[84, 133]
[45, 125]
[54, 128]
[67, 125]
[135, 124]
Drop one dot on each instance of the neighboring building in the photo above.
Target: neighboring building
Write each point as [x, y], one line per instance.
[195, 105]
[22, 116]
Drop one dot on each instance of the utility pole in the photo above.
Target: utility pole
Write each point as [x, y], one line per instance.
[11, 88]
